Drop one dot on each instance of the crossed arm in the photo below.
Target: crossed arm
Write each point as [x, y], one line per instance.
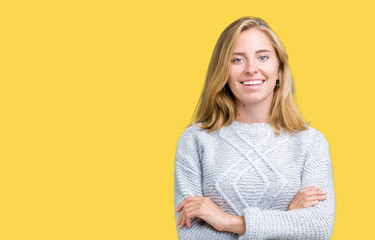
[310, 215]
[206, 209]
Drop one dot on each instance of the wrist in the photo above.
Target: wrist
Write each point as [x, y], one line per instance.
[235, 224]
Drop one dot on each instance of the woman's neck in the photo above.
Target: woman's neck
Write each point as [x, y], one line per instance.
[253, 113]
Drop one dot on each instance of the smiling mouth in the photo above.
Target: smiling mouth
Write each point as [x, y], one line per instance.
[253, 82]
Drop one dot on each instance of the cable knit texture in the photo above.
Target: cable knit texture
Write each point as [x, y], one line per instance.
[246, 169]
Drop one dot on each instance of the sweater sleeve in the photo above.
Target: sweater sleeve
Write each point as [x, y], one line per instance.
[315, 222]
[188, 182]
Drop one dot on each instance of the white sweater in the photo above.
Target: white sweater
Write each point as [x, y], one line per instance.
[246, 169]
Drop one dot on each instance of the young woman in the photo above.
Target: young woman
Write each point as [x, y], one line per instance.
[249, 167]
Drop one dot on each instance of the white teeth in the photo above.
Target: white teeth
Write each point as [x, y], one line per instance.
[255, 82]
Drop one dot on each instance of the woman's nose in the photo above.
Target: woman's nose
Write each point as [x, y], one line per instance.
[251, 68]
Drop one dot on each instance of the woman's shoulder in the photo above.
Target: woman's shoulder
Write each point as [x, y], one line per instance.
[312, 136]
[193, 137]
[195, 134]
[195, 131]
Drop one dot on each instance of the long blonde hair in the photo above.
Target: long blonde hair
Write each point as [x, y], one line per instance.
[216, 107]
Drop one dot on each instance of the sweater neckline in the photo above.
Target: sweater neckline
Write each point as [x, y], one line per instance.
[259, 126]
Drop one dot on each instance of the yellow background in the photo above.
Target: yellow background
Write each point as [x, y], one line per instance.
[94, 95]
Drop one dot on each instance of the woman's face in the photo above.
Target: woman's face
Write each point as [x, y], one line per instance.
[253, 68]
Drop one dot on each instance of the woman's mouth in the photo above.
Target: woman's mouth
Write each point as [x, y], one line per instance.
[252, 84]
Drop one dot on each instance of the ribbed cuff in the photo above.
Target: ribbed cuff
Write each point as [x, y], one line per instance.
[253, 221]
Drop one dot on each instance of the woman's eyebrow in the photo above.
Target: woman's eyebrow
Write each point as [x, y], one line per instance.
[263, 50]
[239, 53]
[258, 51]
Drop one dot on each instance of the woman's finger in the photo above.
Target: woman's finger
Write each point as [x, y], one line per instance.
[311, 203]
[188, 222]
[315, 198]
[308, 189]
[190, 208]
[180, 217]
[182, 224]
[307, 197]
[182, 204]
[314, 192]
[192, 213]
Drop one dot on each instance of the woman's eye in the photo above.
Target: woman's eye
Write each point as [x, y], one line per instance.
[237, 60]
[262, 58]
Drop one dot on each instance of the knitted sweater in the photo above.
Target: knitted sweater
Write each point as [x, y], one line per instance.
[248, 170]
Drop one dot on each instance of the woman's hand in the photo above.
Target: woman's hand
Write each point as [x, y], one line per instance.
[307, 197]
[204, 208]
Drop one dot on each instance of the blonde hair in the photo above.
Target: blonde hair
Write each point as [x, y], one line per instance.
[216, 107]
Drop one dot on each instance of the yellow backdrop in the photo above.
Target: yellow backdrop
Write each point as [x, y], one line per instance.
[94, 95]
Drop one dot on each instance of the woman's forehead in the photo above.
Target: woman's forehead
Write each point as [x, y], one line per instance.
[253, 40]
